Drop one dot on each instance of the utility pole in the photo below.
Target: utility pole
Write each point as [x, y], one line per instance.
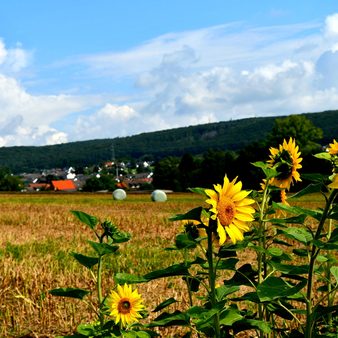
[115, 162]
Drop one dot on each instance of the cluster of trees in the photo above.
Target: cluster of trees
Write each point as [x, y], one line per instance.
[195, 140]
[9, 182]
[180, 173]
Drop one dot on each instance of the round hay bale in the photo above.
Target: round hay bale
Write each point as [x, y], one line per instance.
[158, 196]
[119, 194]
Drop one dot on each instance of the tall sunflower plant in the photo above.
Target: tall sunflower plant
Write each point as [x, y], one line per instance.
[253, 263]
[119, 311]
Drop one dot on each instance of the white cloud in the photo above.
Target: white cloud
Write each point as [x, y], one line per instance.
[331, 25]
[110, 121]
[13, 60]
[213, 74]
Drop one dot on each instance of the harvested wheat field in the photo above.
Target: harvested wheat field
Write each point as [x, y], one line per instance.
[37, 234]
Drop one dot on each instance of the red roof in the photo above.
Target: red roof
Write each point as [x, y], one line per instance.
[64, 185]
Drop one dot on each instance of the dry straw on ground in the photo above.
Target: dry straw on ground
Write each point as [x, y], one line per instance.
[37, 234]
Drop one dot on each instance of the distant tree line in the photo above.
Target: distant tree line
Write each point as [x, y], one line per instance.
[232, 135]
[180, 173]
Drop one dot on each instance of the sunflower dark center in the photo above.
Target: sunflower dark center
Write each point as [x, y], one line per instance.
[124, 306]
[284, 164]
[226, 211]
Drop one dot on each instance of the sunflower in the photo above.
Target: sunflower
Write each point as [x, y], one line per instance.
[333, 148]
[286, 159]
[334, 184]
[125, 305]
[231, 207]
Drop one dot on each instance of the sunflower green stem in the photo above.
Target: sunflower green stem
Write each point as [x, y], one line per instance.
[314, 253]
[187, 281]
[262, 242]
[212, 283]
[99, 286]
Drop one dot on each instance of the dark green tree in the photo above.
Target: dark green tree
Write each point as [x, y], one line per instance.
[187, 169]
[298, 127]
[167, 174]
[214, 166]
[103, 182]
[9, 182]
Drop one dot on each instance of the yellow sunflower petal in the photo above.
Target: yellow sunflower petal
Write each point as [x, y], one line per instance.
[221, 233]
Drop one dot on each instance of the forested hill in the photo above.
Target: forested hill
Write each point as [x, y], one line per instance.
[230, 135]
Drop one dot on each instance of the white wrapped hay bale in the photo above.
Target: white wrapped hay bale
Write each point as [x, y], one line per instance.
[119, 194]
[158, 196]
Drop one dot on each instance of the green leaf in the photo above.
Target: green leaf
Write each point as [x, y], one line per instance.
[245, 275]
[169, 319]
[316, 214]
[333, 215]
[193, 282]
[224, 291]
[247, 324]
[279, 310]
[86, 330]
[135, 334]
[91, 221]
[276, 252]
[290, 269]
[323, 156]
[310, 189]
[227, 264]
[126, 278]
[69, 292]
[300, 252]
[192, 215]
[103, 248]
[183, 241]
[197, 190]
[334, 272]
[299, 234]
[249, 296]
[268, 172]
[229, 317]
[173, 270]
[121, 237]
[164, 304]
[86, 261]
[275, 287]
[289, 220]
[325, 245]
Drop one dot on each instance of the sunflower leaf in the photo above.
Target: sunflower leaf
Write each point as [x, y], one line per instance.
[275, 288]
[69, 292]
[86, 261]
[316, 214]
[90, 220]
[183, 241]
[197, 190]
[268, 172]
[323, 156]
[126, 278]
[103, 248]
[300, 234]
[246, 324]
[192, 215]
[169, 319]
[164, 304]
[310, 189]
[173, 270]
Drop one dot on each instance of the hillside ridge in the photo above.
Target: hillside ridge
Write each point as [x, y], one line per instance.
[225, 135]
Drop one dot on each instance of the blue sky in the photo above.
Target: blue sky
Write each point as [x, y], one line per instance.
[75, 70]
